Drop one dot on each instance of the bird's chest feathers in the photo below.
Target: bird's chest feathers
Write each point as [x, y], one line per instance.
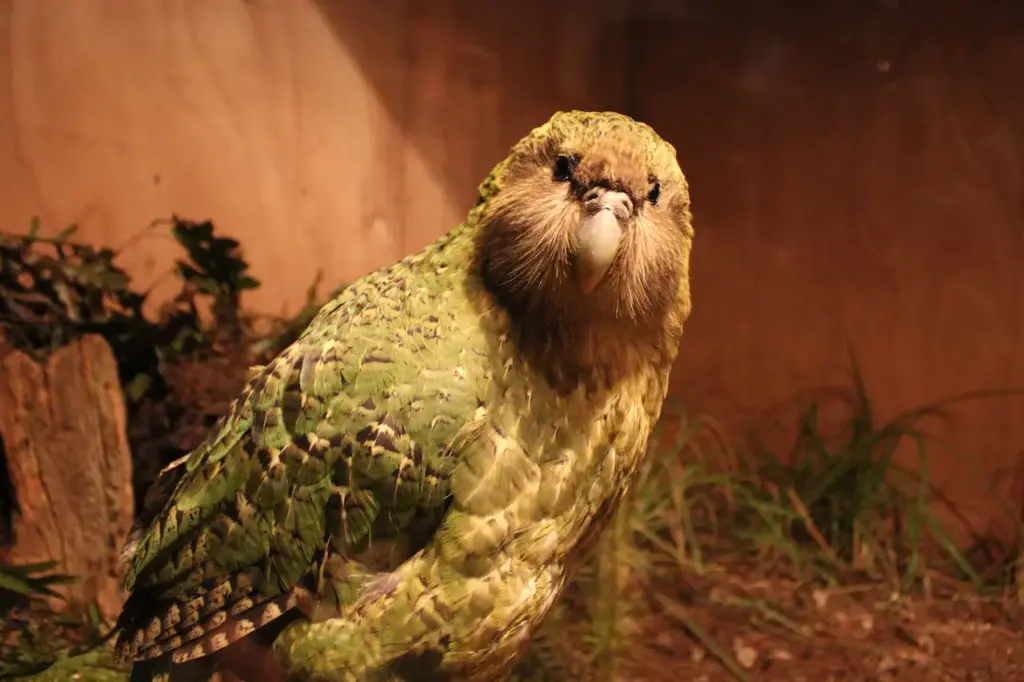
[583, 449]
[604, 473]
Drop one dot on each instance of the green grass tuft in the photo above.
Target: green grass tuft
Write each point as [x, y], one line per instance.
[33, 634]
[834, 510]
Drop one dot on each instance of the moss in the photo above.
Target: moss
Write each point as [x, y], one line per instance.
[93, 666]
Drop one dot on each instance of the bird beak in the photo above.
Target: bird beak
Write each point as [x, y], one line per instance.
[600, 235]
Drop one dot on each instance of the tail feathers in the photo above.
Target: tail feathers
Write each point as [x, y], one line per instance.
[227, 647]
[207, 610]
[242, 622]
[181, 621]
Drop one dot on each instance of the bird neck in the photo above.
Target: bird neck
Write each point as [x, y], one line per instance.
[569, 351]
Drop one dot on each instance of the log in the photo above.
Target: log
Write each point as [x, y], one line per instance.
[63, 430]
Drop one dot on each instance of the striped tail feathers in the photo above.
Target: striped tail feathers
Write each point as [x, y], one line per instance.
[207, 622]
[244, 558]
[169, 611]
[244, 618]
[143, 637]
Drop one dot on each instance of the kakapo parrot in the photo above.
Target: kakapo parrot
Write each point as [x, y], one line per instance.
[404, 491]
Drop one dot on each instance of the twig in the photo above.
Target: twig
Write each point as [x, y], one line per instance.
[812, 529]
[679, 613]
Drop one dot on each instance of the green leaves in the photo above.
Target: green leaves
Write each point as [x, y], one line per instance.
[31, 635]
[27, 581]
[215, 268]
[54, 290]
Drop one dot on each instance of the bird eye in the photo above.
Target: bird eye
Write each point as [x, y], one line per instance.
[655, 192]
[565, 166]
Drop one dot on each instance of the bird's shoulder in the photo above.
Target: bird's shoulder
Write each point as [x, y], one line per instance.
[368, 398]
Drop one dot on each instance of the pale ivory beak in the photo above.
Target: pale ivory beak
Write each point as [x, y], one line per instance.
[600, 235]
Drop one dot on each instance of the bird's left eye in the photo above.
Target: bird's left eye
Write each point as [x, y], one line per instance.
[654, 193]
[565, 167]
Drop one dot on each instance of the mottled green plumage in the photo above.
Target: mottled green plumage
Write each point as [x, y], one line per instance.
[418, 475]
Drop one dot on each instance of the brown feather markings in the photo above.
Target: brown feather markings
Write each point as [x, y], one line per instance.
[559, 382]
[528, 236]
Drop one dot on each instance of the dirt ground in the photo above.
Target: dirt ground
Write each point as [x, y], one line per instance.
[784, 632]
[774, 629]
[844, 635]
[778, 630]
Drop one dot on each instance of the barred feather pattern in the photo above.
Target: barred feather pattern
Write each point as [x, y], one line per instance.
[305, 460]
[421, 472]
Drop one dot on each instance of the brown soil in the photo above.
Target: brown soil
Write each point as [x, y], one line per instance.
[842, 635]
[782, 631]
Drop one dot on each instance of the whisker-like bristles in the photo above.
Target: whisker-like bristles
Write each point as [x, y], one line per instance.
[537, 239]
[529, 231]
[650, 255]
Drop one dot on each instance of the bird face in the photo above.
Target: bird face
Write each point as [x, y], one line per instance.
[590, 220]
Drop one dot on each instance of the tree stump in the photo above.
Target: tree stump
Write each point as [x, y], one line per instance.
[62, 424]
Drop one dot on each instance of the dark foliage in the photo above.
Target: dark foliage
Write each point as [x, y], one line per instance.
[54, 290]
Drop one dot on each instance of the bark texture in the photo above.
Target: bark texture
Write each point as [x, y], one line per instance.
[62, 424]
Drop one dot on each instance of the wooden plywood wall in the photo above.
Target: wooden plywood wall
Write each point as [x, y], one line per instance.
[856, 170]
[858, 180]
[326, 134]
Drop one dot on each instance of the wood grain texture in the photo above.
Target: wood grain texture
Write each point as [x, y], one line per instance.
[857, 181]
[856, 172]
[325, 135]
[62, 424]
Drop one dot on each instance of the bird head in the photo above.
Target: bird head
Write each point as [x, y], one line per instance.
[588, 222]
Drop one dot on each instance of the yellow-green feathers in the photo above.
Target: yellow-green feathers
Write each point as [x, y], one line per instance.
[417, 476]
[343, 434]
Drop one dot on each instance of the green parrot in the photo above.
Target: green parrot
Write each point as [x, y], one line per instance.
[404, 491]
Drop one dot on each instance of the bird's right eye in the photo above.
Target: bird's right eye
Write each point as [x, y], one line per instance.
[565, 166]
